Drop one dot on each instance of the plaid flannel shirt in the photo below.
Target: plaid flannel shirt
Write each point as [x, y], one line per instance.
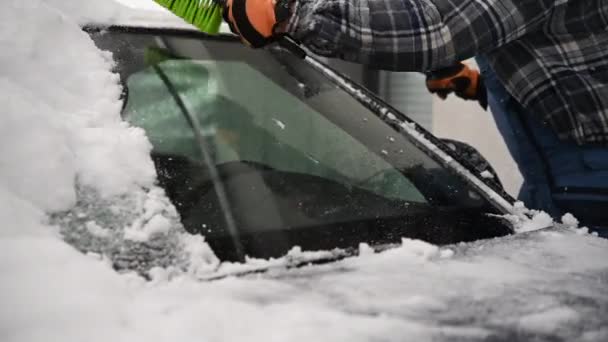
[551, 55]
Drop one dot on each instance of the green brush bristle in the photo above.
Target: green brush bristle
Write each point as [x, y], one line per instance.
[206, 15]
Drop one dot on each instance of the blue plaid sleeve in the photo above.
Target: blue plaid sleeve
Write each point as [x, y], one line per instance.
[551, 55]
[413, 35]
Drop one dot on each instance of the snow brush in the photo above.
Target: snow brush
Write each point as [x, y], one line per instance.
[206, 15]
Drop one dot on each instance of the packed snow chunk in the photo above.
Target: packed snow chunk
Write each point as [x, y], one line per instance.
[520, 207]
[540, 220]
[200, 258]
[158, 224]
[446, 253]
[365, 249]
[486, 174]
[411, 128]
[107, 165]
[297, 255]
[549, 321]
[527, 220]
[418, 250]
[570, 221]
[595, 335]
[97, 230]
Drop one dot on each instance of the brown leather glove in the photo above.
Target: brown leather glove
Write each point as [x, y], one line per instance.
[256, 21]
[459, 79]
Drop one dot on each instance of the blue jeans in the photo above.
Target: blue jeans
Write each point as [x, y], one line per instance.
[559, 176]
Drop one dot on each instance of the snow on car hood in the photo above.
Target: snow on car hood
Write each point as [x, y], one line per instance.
[70, 167]
[72, 171]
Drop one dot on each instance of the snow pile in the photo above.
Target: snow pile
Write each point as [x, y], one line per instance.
[528, 220]
[61, 118]
[535, 286]
[71, 169]
[569, 221]
[66, 151]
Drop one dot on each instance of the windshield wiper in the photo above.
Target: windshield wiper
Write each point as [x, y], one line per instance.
[285, 263]
[205, 152]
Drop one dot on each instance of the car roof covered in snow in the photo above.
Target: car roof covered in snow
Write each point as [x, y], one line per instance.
[133, 14]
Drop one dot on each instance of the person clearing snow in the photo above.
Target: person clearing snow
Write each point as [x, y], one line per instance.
[544, 65]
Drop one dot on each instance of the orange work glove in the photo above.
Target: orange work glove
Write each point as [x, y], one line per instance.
[459, 79]
[256, 21]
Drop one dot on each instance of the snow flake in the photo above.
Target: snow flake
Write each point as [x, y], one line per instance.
[486, 174]
[279, 123]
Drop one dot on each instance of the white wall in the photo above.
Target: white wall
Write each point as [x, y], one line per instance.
[466, 121]
[407, 92]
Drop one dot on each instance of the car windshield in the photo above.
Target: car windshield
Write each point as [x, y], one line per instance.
[257, 148]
